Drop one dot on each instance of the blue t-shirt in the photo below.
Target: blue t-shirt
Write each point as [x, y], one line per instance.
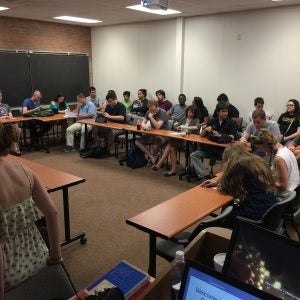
[87, 109]
[29, 104]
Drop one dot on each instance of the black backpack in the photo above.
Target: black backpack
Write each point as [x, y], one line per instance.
[96, 152]
[136, 158]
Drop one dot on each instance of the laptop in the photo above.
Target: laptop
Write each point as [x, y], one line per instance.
[16, 113]
[264, 259]
[200, 282]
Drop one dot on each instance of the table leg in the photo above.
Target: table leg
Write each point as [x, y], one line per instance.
[86, 136]
[152, 255]
[186, 172]
[121, 161]
[68, 238]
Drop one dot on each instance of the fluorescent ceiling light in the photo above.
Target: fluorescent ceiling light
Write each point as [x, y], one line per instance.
[154, 11]
[3, 8]
[75, 19]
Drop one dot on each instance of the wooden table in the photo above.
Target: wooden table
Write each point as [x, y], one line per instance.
[173, 216]
[55, 180]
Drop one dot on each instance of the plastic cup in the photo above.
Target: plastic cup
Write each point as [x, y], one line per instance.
[219, 261]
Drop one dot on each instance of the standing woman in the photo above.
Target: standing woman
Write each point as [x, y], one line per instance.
[189, 123]
[289, 122]
[61, 106]
[23, 252]
[249, 180]
[202, 113]
[282, 160]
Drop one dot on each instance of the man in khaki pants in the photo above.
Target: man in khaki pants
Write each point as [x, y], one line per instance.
[85, 110]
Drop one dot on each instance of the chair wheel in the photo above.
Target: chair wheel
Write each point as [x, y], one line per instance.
[83, 241]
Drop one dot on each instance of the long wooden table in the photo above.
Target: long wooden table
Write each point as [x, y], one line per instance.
[176, 214]
[55, 180]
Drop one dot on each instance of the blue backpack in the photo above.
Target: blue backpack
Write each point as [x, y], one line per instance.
[136, 158]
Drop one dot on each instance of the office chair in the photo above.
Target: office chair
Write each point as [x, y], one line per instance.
[273, 218]
[167, 249]
[292, 214]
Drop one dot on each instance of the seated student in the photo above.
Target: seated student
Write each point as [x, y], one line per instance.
[294, 146]
[259, 121]
[163, 103]
[93, 97]
[289, 122]
[259, 105]
[282, 160]
[85, 110]
[127, 102]
[202, 113]
[178, 111]
[59, 105]
[189, 123]
[115, 111]
[23, 251]
[6, 113]
[221, 126]
[37, 128]
[140, 106]
[247, 178]
[233, 112]
[156, 118]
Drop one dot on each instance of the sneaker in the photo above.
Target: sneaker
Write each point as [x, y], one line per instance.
[69, 149]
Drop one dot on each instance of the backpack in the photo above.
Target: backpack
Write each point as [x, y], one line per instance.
[95, 152]
[136, 158]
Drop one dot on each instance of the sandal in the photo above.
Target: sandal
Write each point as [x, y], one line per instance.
[170, 174]
[155, 168]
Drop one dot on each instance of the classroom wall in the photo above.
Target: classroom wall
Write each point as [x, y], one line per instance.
[21, 34]
[30, 35]
[244, 54]
[133, 56]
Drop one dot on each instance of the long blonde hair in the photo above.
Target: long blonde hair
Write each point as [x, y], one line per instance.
[237, 162]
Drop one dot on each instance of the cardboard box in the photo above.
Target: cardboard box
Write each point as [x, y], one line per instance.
[202, 249]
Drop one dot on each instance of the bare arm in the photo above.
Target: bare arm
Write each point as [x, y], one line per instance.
[156, 124]
[44, 203]
[292, 136]
[25, 110]
[281, 179]
[113, 118]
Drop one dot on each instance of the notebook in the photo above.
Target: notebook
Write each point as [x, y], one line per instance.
[125, 276]
[200, 282]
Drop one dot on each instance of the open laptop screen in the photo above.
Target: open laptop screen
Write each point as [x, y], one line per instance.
[202, 283]
[265, 260]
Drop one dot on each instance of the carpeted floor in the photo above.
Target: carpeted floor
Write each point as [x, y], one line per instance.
[100, 206]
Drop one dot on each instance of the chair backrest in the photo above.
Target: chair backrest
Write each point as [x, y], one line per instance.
[273, 217]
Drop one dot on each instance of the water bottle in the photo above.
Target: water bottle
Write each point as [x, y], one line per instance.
[176, 273]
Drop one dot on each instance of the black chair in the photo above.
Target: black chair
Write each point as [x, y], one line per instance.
[292, 214]
[167, 249]
[273, 218]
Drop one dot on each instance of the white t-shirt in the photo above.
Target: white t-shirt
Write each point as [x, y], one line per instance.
[291, 162]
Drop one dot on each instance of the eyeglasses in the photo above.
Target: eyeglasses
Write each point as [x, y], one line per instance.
[290, 105]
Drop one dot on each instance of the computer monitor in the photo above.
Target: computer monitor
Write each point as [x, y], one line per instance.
[199, 282]
[265, 260]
